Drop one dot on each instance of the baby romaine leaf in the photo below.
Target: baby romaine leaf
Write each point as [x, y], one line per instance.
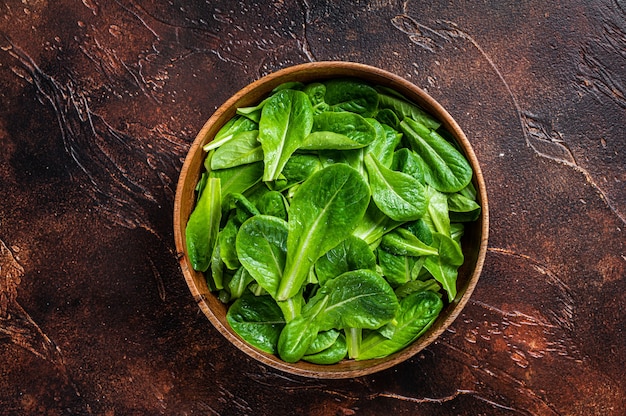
[444, 266]
[397, 194]
[469, 191]
[385, 143]
[388, 117]
[402, 242]
[262, 247]
[215, 279]
[399, 269]
[258, 320]
[226, 240]
[323, 211]
[351, 95]
[438, 211]
[253, 113]
[273, 203]
[297, 336]
[374, 224]
[447, 170]
[352, 158]
[339, 131]
[406, 161]
[462, 209]
[228, 131]
[243, 148]
[403, 109]
[417, 313]
[351, 254]
[457, 230]
[355, 299]
[239, 282]
[331, 355]
[238, 179]
[417, 286]
[240, 206]
[200, 185]
[300, 166]
[286, 119]
[323, 340]
[316, 92]
[421, 230]
[203, 225]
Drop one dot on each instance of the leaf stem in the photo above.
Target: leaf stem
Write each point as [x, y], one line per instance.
[353, 339]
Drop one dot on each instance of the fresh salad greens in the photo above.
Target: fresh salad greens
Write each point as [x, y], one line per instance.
[329, 217]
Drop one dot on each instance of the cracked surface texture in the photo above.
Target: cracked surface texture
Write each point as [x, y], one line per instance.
[99, 102]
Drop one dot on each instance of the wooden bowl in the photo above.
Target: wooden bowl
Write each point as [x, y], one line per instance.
[474, 241]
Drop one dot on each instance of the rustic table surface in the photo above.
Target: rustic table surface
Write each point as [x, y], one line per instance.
[100, 101]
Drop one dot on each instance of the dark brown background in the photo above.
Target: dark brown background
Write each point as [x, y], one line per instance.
[100, 100]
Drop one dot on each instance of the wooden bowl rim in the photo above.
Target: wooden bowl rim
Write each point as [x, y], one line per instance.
[253, 92]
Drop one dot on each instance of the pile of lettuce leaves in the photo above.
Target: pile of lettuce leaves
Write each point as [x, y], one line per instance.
[329, 218]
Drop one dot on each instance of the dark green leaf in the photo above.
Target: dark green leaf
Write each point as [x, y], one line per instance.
[215, 278]
[406, 161]
[296, 338]
[299, 168]
[253, 113]
[388, 116]
[462, 208]
[421, 230]
[273, 203]
[438, 211]
[200, 185]
[399, 269]
[417, 286]
[456, 232]
[240, 206]
[316, 92]
[374, 225]
[258, 320]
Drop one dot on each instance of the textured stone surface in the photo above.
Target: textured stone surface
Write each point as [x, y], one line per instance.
[99, 102]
